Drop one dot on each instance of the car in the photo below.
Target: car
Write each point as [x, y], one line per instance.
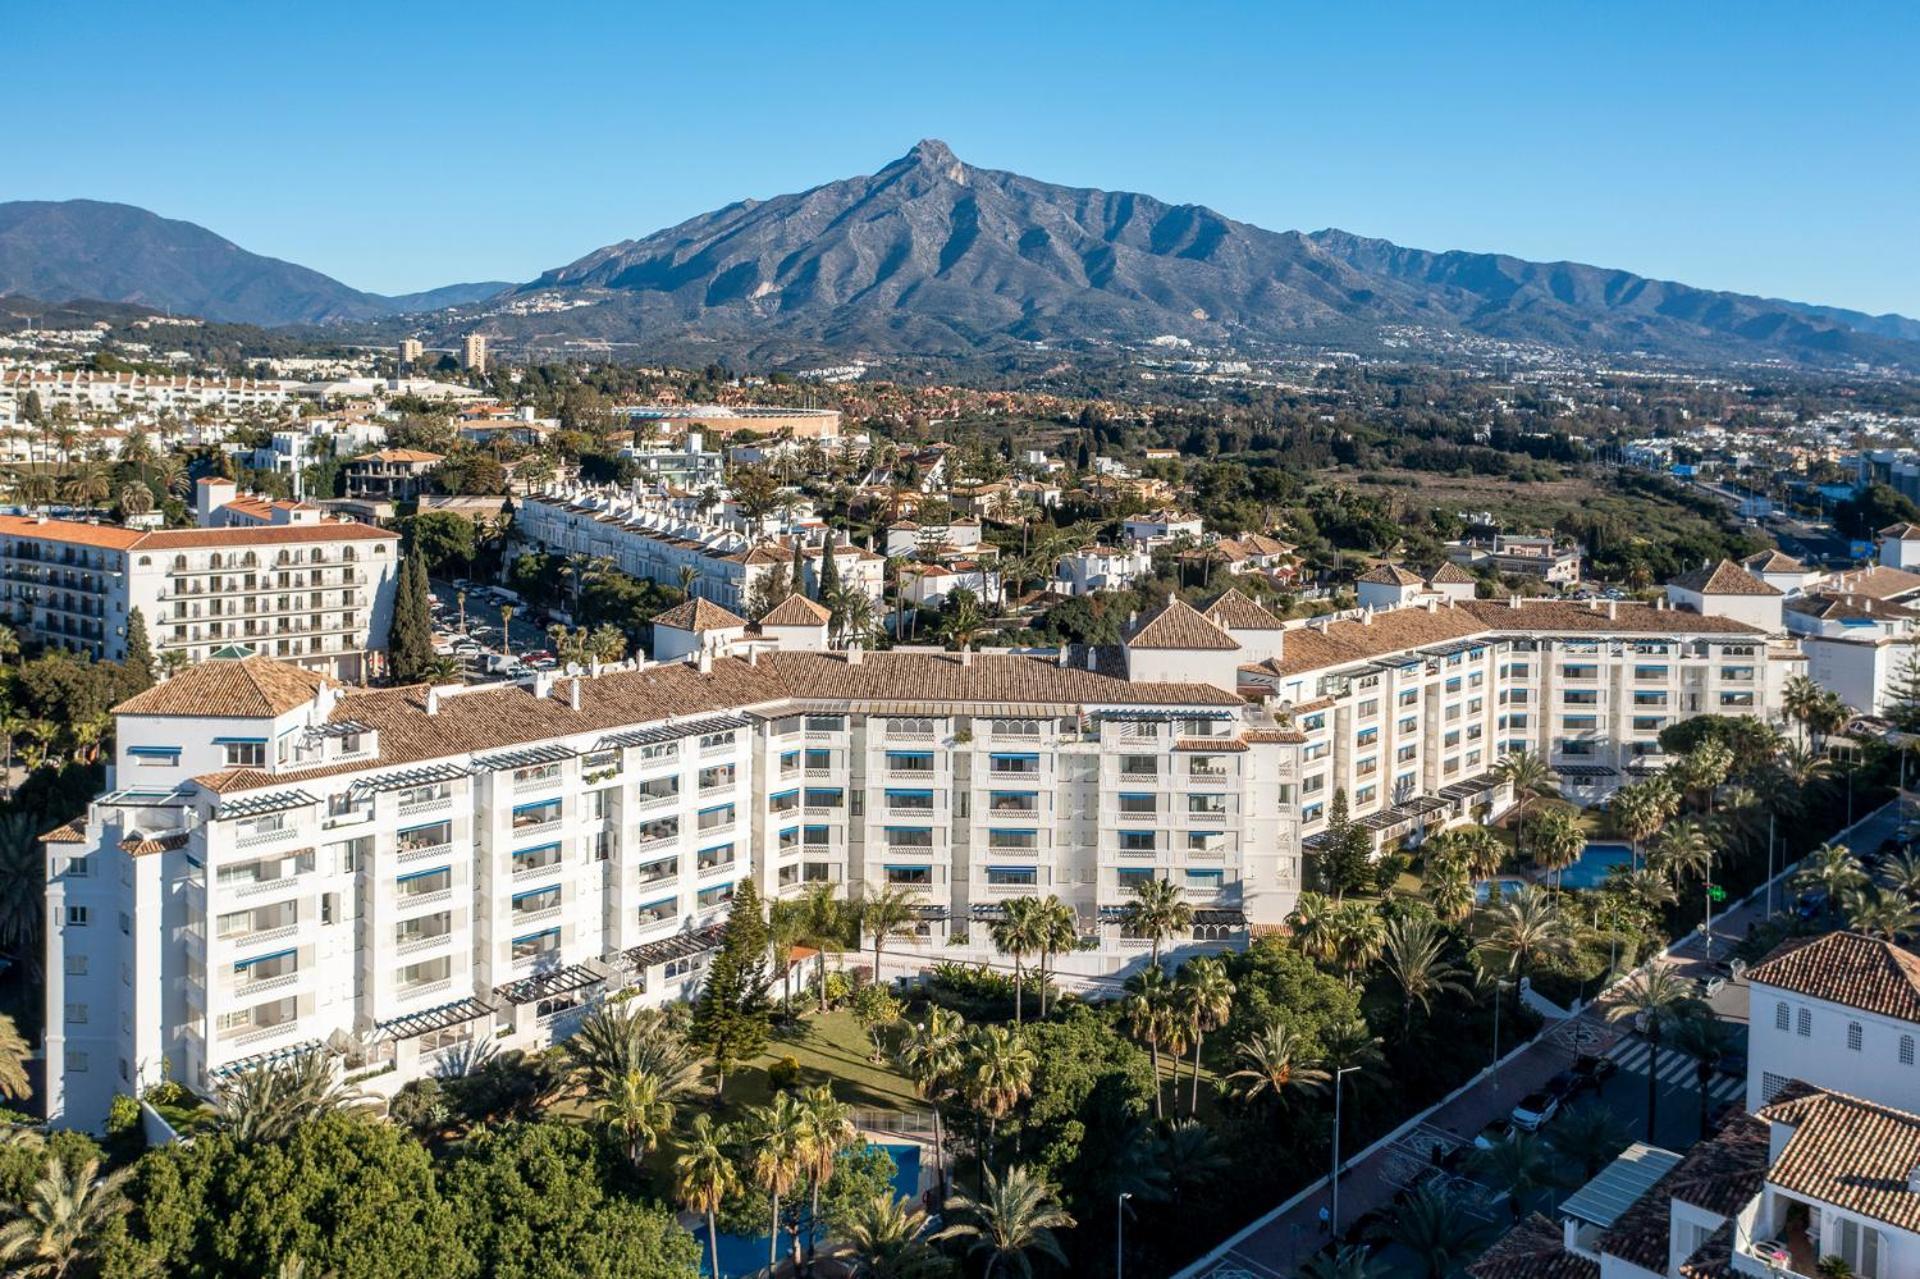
[1492, 1135]
[1811, 905]
[1534, 1111]
[1562, 1086]
[1592, 1070]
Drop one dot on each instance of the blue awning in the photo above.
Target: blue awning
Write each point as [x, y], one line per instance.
[1011, 870]
[1010, 830]
[717, 808]
[537, 892]
[539, 803]
[422, 874]
[785, 794]
[909, 754]
[1014, 794]
[544, 932]
[408, 830]
[917, 830]
[910, 794]
[239, 741]
[538, 848]
[155, 752]
[261, 959]
[718, 848]
[1020, 757]
[663, 901]
[1138, 795]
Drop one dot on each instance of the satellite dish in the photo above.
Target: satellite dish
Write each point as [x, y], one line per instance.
[575, 669]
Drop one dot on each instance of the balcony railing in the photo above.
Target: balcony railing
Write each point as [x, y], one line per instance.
[421, 852]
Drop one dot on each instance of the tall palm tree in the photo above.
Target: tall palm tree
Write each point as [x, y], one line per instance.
[1345, 1261]
[704, 1177]
[1439, 1230]
[826, 1129]
[1274, 1065]
[997, 1076]
[1557, 841]
[1528, 775]
[1684, 850]
[1833, 869]
[1705, 1039]
[1159, 911]
[1059, 933]
[775, 1162]
[1799, 697]
[931, 1055]
[1359, 931]
[506, 629]
[22, 886]
[62, 1219]
[269, 1102]
[1901, 874]
[1015, 1216]
[1415, 955]
[1656, 1001]
[1204, 998]
[1886, 915]
[1640, 810]
[1018, 932]
[885, 914]
[1524, 927]
[1586, 1139]
[886, 1238]
[615, 1040]
[1313, 927]
[1147, 1010]
[634, 1109]
[1517, 1165]
[962, 621]
[1449, 888]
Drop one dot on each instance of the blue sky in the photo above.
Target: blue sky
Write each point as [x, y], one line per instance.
[1769, 149]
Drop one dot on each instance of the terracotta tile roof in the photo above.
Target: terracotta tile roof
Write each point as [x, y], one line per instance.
[1902, 532]
[1548, 616]
[1312, 648]
[74, 532]
[400, 455]
[1284, 735]
[1850, 1153]
[1879, 582]
[1775, 561]
[1846, 968]
[1451, 574]
[1724, 578]
[69, 832]
[699, 614]
[249, 688]
[990, 677]
[1846, 608]
[1177, 626]
[796, 610]
[165, 843]
[1534, 1249]
[1390, 575]
[1712, 1259]
[1723, 1173]
[1234, 611]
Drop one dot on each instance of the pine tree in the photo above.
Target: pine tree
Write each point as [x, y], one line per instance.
[139, 660]
[1086, 455]
[410, 634]
[1903, 690]
[1345, 849]
[732, 1017]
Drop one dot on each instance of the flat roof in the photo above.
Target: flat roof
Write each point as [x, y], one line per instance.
[1620, 1184]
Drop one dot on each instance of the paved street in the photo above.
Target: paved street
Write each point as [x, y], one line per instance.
[1275, 1247]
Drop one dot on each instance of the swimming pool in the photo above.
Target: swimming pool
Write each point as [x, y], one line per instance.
[1595, 863]
[744, 1254]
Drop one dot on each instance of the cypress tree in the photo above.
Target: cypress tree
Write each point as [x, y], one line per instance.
[799, 566]
[139, 662]
[410, 635]
[829, 571]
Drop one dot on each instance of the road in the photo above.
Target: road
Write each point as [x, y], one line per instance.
[1276, 1245]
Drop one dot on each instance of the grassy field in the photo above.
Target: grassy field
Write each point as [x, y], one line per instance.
[830, 1049]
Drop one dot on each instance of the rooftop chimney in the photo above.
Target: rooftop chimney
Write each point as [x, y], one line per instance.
[1613, 610]
[966, 657]
[574, 697]
[854, 654]
[433, 700]
[706, 661]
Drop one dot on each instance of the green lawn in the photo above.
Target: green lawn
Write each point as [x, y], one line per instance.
[830, 1049]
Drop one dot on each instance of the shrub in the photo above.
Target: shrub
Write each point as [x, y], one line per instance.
[123, 1115]
[783, 1074]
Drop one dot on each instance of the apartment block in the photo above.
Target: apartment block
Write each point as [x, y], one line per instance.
[318, 593]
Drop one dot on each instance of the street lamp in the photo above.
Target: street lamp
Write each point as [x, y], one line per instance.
[1120, 1235]
[1338, 1075]
[1499, 984]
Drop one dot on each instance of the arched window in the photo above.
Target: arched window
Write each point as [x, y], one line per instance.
[1854, 1034]
[1780, 1015]
[1803, 1024]
[179, 563]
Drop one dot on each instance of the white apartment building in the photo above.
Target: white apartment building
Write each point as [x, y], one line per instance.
[278, 863]
[1100, 568]
[656, 545]
[315, 593]
[138, 393]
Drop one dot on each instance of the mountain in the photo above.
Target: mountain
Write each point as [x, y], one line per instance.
[119, 253]
[934, 256]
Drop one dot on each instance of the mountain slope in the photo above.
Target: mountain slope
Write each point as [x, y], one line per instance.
[930, 255]
[119, 253]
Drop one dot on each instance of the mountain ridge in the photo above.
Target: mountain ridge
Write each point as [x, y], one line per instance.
[104, 251]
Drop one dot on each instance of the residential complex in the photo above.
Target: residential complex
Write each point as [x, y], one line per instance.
[313, 592]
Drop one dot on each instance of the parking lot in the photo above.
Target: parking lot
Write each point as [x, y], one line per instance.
[477, 636]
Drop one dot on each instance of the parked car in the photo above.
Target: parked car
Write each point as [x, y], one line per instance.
[1592, 1070]
[1534, 1111]
[1562, 1086]
[1492, 1135]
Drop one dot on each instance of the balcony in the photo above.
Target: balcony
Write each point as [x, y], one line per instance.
[538, 828]
[422, 852]
[413, 901]
[260, 838]
[442, 804]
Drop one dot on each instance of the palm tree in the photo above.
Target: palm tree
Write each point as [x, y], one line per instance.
[1345, 1261]
[1684, 850]
[704, 1178]
[1415, 955]
[886, 1238]
[1832, 869]
[1704, 768]
[1886, 915]
[931, 1056]
[1799, 697]
[1524, 927]
[826, 1129]
[1018, 932]
[1204, 997]
[635, 1109]
[1015, 1216]
[22, 887]
[1449, 888]
[506, 630]
[1587, 1139]
[1530, 778]
[962, 620]
[1656, 1001]
[1158, 912]
[1557, 841]
[1313, 928]
[1059, 933]
[1640, 810]
[998, 1075]
[775, 1163]
[1148, 1012]
[14, 1084]
[1901, 874]
[1705, 1039]
[1438, 1229]
[1516, 1165]
[1273, 1064]
[886, 914]
[62, 1219]
[1359, 932]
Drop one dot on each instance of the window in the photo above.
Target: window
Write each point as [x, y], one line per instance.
[1021, 841]
[816, 836]
[525, 815]
[654, 871]
[536, 900]
[76, 965]
[719, 857]
[658, 829]
[1131, 877]
[819, 760]
[1906, 1050]
[721, 815]
[79, 867]
[659, 912]
[1207, 804]
[1780, 1020]
[544, 857]
[823, 797]
[789, 763]
[716, 777]
[1012, 876]
[1205, 879]
[1803, 1023]
[825, 723]
[1139, 841]
[535, 944]
[786, 801]
[716, 741]
[1013, 764]
[154, 756]
[1013, 801]
[910, 876]
[1854, 1035]
[425, 882]
[1139, 805]
[415, 838]
[708, 898]
[77, 1014]
[1581, 697]
[910, 761]
[658, 789]
[1139, 766]
[244, 754]
[76, 917]
[918, 801]
[909, 837]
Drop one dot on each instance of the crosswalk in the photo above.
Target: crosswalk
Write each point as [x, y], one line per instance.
[1634, 1054]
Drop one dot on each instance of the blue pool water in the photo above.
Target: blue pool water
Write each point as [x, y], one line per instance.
[743, 1255]
[1591, 870]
